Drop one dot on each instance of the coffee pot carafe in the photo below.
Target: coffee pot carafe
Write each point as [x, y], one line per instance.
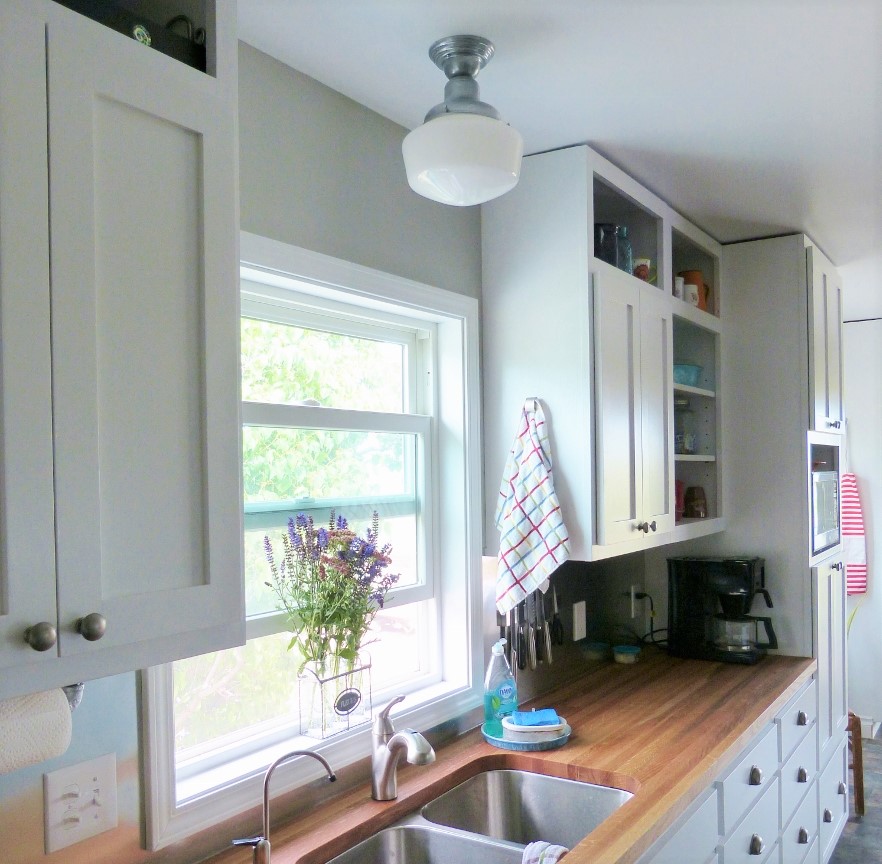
[735, 631]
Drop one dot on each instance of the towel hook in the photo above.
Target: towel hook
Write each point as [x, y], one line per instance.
[534, 400]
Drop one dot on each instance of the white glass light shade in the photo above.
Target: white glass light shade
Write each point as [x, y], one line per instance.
[463, 159]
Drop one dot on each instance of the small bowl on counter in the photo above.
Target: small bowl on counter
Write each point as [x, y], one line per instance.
[626, 653]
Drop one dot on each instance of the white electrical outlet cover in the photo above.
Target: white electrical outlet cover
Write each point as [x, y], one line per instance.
[580, 626]
[79, 801]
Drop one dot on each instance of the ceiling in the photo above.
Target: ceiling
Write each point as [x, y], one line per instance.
[751, 117]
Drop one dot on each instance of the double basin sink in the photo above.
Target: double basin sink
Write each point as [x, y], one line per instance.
[491, 818]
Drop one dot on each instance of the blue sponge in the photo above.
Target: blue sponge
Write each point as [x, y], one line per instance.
[542, 717]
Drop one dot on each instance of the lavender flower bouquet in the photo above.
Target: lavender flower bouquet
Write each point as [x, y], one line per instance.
[331, 583]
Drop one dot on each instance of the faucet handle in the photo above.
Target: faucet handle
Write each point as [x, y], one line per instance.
[261, 848]
[382, 722]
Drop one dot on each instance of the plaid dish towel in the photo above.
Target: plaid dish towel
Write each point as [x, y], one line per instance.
[854, 543]
[534, 539]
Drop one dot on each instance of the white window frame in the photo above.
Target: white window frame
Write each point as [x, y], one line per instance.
[456, 474]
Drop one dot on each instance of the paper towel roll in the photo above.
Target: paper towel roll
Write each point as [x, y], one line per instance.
[33, 728]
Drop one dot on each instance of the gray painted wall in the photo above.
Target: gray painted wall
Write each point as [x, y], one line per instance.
[320, 171]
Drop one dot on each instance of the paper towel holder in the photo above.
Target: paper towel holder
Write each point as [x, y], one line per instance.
[74, 693]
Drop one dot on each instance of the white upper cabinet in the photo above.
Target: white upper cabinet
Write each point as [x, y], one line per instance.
[825, 342]
[632, 385]
[597, 345]
[135, 442]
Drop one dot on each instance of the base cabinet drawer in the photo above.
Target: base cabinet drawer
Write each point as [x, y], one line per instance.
[801, 832]
[755, 836]
[797, 775]
[695, 841]
[833, 799]
[749, 778]
[796, 719]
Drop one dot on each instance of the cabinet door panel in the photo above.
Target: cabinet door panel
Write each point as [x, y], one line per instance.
[617, 407]
[829, 582]
[27, 551]
[825, 344]
[657, 430]
[145, 340]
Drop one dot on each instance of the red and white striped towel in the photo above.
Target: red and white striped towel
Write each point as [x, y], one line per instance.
[534, 541]
[854, 545]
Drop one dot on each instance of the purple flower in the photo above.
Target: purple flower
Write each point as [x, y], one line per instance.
[268, 550]
[302, 520]
[341, 522]
[321, 538]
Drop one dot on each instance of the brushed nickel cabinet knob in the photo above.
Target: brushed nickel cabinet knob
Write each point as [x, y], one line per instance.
[802, 836]
[802, 719]
[92, 626]
[755, 778]
[802, 776]
[828, 815]
[756, 845]
[41, 637]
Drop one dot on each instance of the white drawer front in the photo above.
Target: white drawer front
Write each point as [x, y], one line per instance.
[798, 774]
[754, 839]
[833, 798]
[795, 720]
[802, 832]
[696, 840]
[749, 778]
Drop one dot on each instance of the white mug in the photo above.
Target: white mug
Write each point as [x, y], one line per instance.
[690, 293]
[678, 287]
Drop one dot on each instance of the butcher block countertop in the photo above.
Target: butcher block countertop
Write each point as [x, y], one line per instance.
[662, 728]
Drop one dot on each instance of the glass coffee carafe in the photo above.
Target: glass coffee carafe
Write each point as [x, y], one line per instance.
[737, 632]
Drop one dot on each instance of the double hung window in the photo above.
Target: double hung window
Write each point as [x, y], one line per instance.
[354, 401]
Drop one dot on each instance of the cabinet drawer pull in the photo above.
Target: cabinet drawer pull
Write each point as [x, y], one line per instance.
[41, 637]
[756, 845]
[802, 836]
[828, 815]
[843, 789]
[652, 525]
[802, 776]
[92, 627]
[802, 719]
[834, 424]
[755, 778]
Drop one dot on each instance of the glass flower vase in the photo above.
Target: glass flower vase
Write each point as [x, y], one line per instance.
[335, 696]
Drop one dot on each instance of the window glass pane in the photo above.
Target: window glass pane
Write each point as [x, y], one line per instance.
[224, 698]
[319, 464]
[289, 471]
[288, 364]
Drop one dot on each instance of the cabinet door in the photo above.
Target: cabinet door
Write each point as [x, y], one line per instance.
[657, 423]
[829, 581]
[144, 344]
[27, 551]
[825, 344]
[633, 409]
[618, 407]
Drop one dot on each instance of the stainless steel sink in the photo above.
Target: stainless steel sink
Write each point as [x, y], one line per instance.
[520, 807]
[416, 844]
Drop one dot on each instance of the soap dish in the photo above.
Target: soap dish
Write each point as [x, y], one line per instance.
[525, 746]
[513, 732]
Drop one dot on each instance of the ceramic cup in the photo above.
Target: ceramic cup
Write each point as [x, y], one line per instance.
[690, 294]
[679, 282]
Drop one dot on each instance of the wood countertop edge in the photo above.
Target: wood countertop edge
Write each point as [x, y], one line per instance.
[660, 793]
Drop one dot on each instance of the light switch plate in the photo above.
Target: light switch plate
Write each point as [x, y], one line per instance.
[580, 624]
[79, 801]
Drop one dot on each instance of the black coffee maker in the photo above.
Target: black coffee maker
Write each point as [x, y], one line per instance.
[709, 602]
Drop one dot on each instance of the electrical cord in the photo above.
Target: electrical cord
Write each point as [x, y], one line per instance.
[650, 637]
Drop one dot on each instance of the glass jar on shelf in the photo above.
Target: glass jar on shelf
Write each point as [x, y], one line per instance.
[685, 439]
[624, 254]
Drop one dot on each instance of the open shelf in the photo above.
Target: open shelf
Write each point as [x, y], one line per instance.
[612, 206]
[688, 255]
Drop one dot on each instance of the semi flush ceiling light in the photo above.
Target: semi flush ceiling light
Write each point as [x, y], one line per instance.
[463, 153]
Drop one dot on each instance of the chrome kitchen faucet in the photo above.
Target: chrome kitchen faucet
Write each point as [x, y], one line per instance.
[261, 844]
[388, 745]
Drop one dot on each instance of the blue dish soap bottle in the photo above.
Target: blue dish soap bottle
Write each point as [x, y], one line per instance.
[500, 691]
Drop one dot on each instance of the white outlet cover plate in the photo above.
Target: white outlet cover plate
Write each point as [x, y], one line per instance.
[580, 624]
[79, 801]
